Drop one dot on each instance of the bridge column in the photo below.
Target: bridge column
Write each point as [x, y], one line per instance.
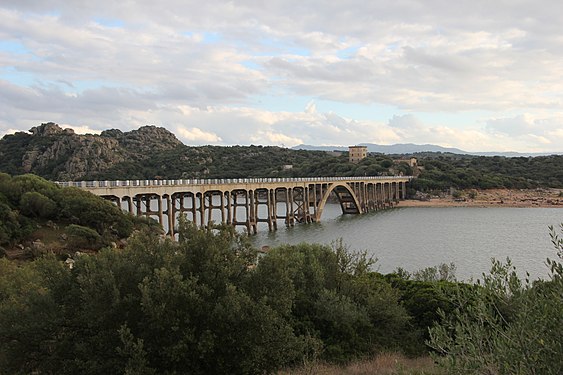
[170, 214]
[159, 205]
[288, 207]
[201, 209]
[222, 204]
[129, 204]
[208, 197]
[137, 200]
[373, 196]
[234, 202]
[306, 205]
[228, 207]
[367, 198]
[369, 195]
[247, 209]
[403, 190]
[193, 209]
[250, 212]
[315, 202]
[271, 209]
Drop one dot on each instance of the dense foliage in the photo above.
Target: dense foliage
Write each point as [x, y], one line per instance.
[504, 325]
[197, 306]
[208, 304]
[29, 201]
[462, 171]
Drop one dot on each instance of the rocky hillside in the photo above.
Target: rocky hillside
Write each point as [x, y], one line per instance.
[146, 153]
[60, 154]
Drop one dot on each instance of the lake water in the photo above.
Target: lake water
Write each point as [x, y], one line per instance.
[417, 237]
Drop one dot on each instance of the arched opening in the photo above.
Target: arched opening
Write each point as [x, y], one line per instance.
[349, 202]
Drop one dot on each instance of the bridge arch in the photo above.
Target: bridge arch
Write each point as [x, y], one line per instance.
[331, 188]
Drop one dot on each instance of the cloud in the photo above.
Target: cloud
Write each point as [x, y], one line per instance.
[404, 122]
[85, 129]
[197, 135]
[213, 70]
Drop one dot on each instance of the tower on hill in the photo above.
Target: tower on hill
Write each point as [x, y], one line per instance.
[357, 153]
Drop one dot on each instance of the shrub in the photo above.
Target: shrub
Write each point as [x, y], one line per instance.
[505, 325]
[34, 204]
[82, 237]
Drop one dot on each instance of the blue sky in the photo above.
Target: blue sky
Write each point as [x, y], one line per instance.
[476, 75]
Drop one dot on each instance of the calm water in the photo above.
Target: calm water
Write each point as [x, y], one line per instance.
[415, 238]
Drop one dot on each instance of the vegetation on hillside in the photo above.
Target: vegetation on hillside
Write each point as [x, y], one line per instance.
[29, 203]
[153, 153]
[465, 172]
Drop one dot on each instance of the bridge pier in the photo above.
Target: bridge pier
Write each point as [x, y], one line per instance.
[247, 202]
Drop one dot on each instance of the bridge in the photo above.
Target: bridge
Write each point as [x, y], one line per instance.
[248, 201]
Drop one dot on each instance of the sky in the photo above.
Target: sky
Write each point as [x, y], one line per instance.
[479, 75]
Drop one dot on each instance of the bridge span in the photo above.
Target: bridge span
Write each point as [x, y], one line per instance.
[248, 201]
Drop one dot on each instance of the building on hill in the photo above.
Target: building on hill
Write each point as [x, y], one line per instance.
[411, 162]
[357, 153]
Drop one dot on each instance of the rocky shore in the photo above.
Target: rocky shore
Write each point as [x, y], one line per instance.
[492, 198]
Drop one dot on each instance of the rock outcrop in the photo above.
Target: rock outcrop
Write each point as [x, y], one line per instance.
[61, 154]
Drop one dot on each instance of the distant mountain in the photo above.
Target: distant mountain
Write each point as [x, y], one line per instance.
[411, 148]
[404, 148]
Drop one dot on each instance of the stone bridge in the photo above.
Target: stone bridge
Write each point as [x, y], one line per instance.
[248, 201]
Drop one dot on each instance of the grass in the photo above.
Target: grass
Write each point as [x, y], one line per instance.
[382, 364]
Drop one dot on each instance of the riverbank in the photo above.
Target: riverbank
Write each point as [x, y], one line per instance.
[544, 198]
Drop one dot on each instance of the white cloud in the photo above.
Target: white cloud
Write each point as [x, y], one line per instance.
[85, 129]
[210, 64]
[197, 135]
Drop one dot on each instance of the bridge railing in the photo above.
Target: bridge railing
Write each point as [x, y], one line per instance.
[216, 181]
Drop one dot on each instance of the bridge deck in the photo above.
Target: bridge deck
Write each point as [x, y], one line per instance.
[302, 199]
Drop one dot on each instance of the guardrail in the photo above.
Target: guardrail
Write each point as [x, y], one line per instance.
[216, 181]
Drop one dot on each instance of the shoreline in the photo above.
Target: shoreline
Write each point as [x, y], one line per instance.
[536, 198]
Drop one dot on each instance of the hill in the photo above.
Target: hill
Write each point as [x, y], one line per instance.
[39, 217]
[151, 152]
[146, 153]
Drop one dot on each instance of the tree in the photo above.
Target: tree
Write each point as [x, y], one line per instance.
[34, 204]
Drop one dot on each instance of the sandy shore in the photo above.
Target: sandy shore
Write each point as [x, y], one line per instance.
[494, 198]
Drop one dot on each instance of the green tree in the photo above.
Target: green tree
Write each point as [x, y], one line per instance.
[34, 204]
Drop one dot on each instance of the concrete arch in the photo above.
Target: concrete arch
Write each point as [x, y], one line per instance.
[324, 199]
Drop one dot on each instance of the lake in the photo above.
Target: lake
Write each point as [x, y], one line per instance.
[417, 237]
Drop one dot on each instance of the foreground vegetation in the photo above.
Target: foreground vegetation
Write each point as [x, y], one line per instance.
[196, 306]
[504, 325]
[204, 304]
[209, 303]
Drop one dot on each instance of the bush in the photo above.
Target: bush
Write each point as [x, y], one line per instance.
[34, 204]
[199, 306]
[505, 325]
[82, 237]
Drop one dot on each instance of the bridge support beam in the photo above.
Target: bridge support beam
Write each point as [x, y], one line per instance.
[248, 202]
